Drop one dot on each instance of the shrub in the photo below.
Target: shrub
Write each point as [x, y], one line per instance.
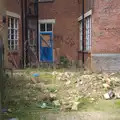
[64, 61]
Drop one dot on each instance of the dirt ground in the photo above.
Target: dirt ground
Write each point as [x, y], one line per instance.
[81, 116]
[61, 95]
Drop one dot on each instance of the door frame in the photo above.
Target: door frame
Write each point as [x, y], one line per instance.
[50, 33]
[52, 21]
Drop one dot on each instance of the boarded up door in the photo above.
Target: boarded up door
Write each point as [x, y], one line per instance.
[46, 47]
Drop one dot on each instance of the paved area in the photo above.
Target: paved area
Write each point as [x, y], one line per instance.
[81, 116]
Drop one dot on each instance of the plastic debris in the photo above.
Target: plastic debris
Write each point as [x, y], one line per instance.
[4, 110]
[36, 75]
[44, 105]
[109, 95]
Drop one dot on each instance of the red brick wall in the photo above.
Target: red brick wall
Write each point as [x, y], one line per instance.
[66, 28]
[106, 26]
[13, 6]
[106, 35]
[88, 4]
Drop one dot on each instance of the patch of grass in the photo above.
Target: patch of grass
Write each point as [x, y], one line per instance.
[28, 70]
[84, 103]
[117, 103]
[106, 105]
[47, 78]
[52, 89]
[32, 112]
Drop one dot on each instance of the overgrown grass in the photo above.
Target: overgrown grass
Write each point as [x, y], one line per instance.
[85, 103]
[117, 103]
[105, 106]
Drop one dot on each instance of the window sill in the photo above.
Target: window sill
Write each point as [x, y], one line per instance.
[45, 1]
[13, 51]
[80, 51]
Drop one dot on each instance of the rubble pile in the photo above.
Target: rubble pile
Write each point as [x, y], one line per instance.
[69, 90]
[91, 86]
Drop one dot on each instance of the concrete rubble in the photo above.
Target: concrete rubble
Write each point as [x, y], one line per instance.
[75, 106]
[72, 87]
[56, 103]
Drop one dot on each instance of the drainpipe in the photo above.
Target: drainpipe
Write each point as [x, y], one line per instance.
[26, 33]
[83, 56]
[37, 29]
[23, 35]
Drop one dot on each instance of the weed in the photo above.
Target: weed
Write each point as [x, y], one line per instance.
[53, 89]
[64, 61]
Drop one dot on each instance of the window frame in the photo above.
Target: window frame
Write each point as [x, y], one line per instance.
[15, 33]
[46, 26]
[88, 33]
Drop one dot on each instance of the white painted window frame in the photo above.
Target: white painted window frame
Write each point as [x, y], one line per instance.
[85, 15]
[46, 21]
[12, 14]
[15, 34]
[88, 33]
[46, 27]
[88, 30]
[80, 36]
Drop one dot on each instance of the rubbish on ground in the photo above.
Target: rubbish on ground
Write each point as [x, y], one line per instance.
[92, 99]
[56, 103]
[4, 110]
[9, 110]
[34, 81]
[106, 96]
[36, 75]
[106, 86]
[46, 105]
[117, 95]
[87, 85]
[14, 119]
[68, 82]
[53, 96]
[75, 105]
[109, 95]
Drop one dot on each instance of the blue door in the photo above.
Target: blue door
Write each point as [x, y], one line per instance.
[46, 47]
